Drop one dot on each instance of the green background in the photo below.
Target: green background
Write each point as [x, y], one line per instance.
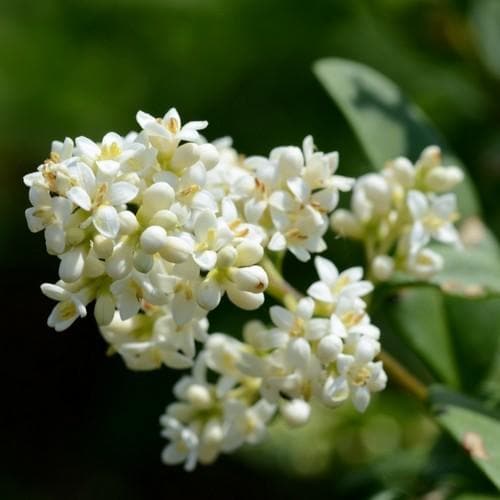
[75, 424]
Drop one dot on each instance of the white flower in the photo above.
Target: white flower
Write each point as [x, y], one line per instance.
[166, 133]
[52, 214]
[433, 217]
[183, 445]
[357, 380]
[246, 424]
[101, 194]
[70, 305]
[425, 263]
[333, 285]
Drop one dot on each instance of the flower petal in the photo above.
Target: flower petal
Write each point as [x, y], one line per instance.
[106, 221]
[80, 197]
[326, 269]
[122, 192]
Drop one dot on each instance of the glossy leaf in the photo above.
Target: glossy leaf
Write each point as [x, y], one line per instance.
[478, 434]
[419, 318]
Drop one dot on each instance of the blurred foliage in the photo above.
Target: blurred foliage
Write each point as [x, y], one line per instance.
[78, 425]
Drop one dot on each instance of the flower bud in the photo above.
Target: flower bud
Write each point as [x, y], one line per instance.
[346, 224]
[93, 266]
[209, 155]
[128, 222]
[404, 171]
[74, 236]
[120, 263]
[153, 238]
[143, 262]
[382, 267]
[329, 348]
[245, 300]
[208, 294]
[175, 249]
[104, 309]
[155, 198]
[164, 218]
[248, 253]
[103, 247]
[55, 240]
[430, 157]
[249, 279]
[366, 350]
[377, 191]
[290, 160]
[226, 256]
[296, 412]
[441, 179]
[199, 396]
[213, 433]
[185, 156]
[72, 264]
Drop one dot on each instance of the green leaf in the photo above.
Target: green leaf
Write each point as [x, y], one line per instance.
[419, 318]
[385, 122]
[388, 125]
[485, 22]
[478, 434]
[475, 331]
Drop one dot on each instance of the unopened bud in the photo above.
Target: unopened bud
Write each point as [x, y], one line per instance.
[226, 256]
[156, 197]
[185, 156]
[143, 262]
[442, 179]
[404, 171]
[296, 412]
[329, 348]
[128, 222]
[208, 294]
[250, 279]
[153, 238]
[377, 190]
[346, 224]
[103, 247]
[209, 155]
[248, 253]
[199, 396]
[175, 250]
[164, 218]
[104, 309]
[74, 236]
[382, 267]
[245, 300]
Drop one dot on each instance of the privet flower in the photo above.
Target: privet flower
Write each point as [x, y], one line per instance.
[277, 371]
[398, 212]
[156, 227]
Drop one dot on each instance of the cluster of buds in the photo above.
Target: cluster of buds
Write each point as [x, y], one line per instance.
[156, 227]
[323, 350]
[398, 212]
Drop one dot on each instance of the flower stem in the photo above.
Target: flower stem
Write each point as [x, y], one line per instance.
[401, 376]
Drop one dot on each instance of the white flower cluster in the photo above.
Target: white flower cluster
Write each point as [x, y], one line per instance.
[397, 212]
[157, 226]
[281, 370]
